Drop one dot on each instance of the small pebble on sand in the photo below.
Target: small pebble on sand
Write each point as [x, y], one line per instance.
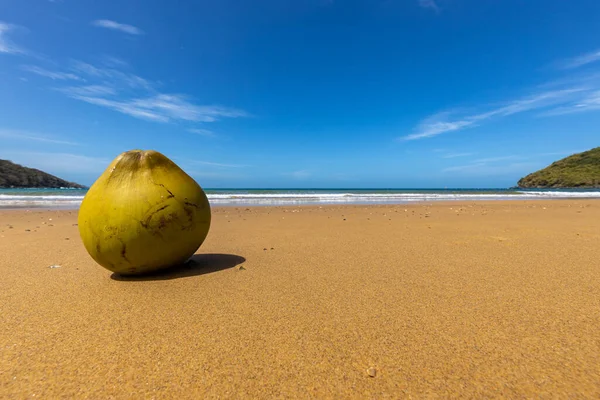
[372, 372]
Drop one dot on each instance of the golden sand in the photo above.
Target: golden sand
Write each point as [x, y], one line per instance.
[486, 299]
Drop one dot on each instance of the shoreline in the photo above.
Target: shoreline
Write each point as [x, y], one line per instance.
[340, 204]
[456, 299]
[71, 199]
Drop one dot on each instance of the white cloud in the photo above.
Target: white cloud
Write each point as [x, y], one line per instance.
[214, 164]
[135, 96]
[482, 162]
[89, 69]
[442, 123]
[438, 124]
[482, 169]
[106, 23]
[590, 102]
[89, 90]
[537, 101]
[123, 107]
[496, 159]
[215, 175]
[114, 75]
[58, 163]
[114, 62]
[574, 93]
[463, 167]
[202, 132]
[29, 136]
[558, 153]
[456, 155]
[173, 106]
[430, 4]
[51, 74]
[506, 164]
[580, 61]
[6, 45]
[340, 176]
[302, 174]
[163, 108]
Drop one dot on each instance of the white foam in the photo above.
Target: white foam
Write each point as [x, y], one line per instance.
[36, 197]
[386, 198]
[293, 198]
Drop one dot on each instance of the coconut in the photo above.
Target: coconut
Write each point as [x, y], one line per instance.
[143, 214]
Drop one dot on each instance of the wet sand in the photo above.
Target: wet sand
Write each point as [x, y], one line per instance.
[470, 299]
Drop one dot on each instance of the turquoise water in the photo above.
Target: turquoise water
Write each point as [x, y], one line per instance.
[71, 198]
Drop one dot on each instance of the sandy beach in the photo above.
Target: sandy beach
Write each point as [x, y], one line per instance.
[474, 300]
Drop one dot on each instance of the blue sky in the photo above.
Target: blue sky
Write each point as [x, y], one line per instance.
[302, 93]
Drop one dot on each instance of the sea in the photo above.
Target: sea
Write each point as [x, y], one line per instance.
[71, 198]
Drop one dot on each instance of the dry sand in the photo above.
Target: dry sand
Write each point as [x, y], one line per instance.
[496, 299]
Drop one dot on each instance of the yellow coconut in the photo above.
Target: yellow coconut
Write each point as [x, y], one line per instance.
[143, 214]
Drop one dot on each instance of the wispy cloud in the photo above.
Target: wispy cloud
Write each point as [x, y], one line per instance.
[7, 45]
[114, 75]
[456, 155]
[58, 163]
[507, 163]
[51, 74]
[430, 4]
[215, 175]
[443, 122]
[123, 107]
[174, 106]
[130, 94]
[496, 159]
[494, 165]
[202, 132]
[29, 136]
[163, 108]
[580, 61]
[559, 153]
[214, 164]
[463, 167]
[438, 124]
[483, 169]
[484, 162]
[113, 62]
[590, 102]
[106, 23]
[574, 92]
[300, 175]
[89, 90]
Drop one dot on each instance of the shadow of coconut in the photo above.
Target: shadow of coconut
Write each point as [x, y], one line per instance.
[199, 264]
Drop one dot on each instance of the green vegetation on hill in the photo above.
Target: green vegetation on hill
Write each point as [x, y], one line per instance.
[580, 170]
[16, 176]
